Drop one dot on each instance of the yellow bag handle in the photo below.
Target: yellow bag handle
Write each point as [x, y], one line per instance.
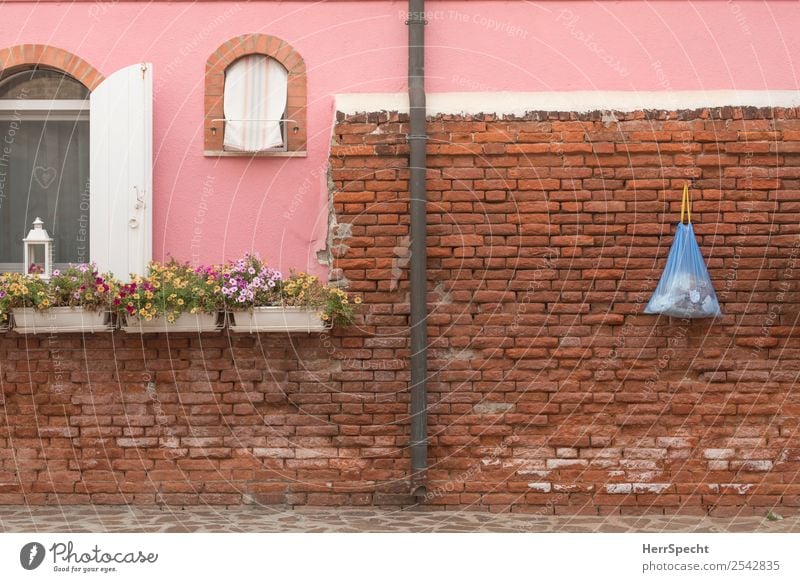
[686, 204]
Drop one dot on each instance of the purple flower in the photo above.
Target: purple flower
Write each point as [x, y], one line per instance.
[56, 272]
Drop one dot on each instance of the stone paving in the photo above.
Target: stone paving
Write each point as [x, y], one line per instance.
[101, 519]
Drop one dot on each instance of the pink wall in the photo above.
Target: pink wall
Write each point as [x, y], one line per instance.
[215, 208]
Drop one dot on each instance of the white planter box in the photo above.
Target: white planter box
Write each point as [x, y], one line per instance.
[186, 322]
[60, 320]
[266, 319]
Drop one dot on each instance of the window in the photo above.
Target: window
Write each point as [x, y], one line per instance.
[76, 150]
[255, 105]
[44, 164]
[255, 99]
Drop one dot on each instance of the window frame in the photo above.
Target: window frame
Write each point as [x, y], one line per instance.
[76, 110]
[295, 115]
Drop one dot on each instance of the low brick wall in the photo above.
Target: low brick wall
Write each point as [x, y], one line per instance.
[550, 390]
[186, 419]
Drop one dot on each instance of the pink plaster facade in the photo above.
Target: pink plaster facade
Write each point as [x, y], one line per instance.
[208, 208]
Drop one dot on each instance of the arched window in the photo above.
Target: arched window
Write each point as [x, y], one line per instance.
[255, 98]
[44, 163]
[49, 126]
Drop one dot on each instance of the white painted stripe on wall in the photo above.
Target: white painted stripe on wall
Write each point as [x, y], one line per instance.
[578, 101]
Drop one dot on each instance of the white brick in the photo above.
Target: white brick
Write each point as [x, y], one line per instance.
[492, 407]
[719, 453]
[566, 463]
[650, 487]
[757, 466]
[618, 488]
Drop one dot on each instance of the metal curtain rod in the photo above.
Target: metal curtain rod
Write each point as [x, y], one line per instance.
[286, 120]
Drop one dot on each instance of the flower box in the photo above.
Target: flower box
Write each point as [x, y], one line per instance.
[60, 320]
[185, 322]
[277, 318]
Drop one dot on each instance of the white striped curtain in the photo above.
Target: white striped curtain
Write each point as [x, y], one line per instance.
[255, 101]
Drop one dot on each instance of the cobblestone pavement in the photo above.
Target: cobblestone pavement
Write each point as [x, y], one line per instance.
[266, 519]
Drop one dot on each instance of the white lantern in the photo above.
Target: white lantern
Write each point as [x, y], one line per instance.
[38, 247]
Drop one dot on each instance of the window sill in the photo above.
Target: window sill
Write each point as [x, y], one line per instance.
[226, 154]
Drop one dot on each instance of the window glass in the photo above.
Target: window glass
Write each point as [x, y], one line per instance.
[42, 84]
[44, 167]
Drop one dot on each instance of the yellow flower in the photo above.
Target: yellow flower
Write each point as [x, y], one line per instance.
[171, 318]
[357, 299]
[180, 301]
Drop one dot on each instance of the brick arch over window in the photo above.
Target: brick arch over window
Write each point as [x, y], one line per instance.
[25, 56]
[255, 44]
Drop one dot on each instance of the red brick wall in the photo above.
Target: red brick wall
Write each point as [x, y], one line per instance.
[189, 419]
[550, 390]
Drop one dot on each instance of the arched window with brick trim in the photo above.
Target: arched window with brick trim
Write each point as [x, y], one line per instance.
[76, 152]
[255, 98]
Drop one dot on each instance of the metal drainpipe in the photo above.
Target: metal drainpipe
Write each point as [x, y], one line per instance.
[417, 139]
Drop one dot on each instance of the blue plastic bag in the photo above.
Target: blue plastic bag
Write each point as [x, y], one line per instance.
[685, 289]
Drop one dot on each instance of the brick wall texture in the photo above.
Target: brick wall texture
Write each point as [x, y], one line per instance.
[550, 391]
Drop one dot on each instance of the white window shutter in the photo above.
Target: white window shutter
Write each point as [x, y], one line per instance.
[121, 171]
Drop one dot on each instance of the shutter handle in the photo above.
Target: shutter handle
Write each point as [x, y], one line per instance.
[139, 198]
[133, 223]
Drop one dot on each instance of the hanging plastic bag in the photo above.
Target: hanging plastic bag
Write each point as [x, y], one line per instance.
[685, 289]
